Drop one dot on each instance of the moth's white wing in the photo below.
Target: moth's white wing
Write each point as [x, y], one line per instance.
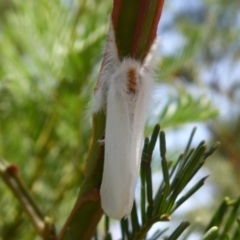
[126, 112]
[115, 195]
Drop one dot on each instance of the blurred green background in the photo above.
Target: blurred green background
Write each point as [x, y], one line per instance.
[50, 56]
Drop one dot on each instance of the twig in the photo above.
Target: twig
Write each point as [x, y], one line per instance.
[10, 175]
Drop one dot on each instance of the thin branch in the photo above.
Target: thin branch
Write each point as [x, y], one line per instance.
[10, 175]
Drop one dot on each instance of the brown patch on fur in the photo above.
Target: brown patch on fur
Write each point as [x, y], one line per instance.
[132, 80]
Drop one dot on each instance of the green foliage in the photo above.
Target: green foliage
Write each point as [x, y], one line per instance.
[178, 109]
[48, 67]
[176, 176]
[158, 208]
[226, 220]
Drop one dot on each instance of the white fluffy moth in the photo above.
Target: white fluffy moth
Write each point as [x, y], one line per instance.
[123, 92]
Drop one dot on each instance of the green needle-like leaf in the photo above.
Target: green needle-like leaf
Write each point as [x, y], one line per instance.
[189, 193]
[190, 140]
[134, 219]
[149, 190]
[122, 230]
[212, 149]
[179, 230]
[108, 237]
[210, 234]
[164, 162]
[153, 140]
[218, 216]
[125, 229]
[232, 217]
[186, 176]
[161, 199]
[106, 224]
[236, 234]
[162, 144]
[148, 173]
[157, 234]
[176, 166]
